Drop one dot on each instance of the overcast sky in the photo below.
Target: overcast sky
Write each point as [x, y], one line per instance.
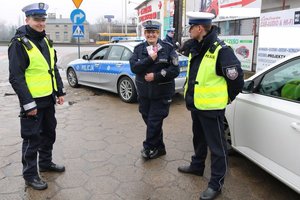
[11, 10]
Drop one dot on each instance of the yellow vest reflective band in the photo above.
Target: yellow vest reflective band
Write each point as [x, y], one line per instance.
[38, 79]
[210, 92]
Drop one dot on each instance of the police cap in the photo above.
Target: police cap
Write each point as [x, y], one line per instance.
[170, 29]
[200, 18]
[151, 25]
[36, 10]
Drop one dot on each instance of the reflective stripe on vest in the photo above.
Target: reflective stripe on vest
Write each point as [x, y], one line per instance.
[210, 92]
[37, 76]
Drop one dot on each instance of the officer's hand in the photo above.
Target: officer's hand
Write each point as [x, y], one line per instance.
[149, 77]
[32, 113]
[60, 100]
[153, 55]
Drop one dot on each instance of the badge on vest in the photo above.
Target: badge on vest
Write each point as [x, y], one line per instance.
[232, 73]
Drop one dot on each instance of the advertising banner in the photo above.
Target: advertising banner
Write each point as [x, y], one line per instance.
[231, 9]
[278, 36]
[243, 48]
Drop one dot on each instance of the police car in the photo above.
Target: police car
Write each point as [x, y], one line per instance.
[263, 122]
[108, 68]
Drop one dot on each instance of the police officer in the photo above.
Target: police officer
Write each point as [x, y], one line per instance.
[214, 79]
[170, 38]
[155, 64]
[34, 76]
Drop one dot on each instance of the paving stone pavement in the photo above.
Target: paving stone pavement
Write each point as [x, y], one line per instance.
[99, 139]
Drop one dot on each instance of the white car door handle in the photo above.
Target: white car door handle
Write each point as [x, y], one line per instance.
[118, 64]
[296, 126]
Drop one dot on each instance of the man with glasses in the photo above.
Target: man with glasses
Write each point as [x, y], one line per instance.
[155, 64]
[34, 76]
[170, 38]
[214, 79]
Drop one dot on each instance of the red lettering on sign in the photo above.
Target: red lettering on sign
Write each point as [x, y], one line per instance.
[146, 10]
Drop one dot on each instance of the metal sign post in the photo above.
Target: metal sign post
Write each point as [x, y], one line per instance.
[78, 18]
[109, 17]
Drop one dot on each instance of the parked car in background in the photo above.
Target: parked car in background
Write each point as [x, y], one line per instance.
[108, 68]
[263, 122]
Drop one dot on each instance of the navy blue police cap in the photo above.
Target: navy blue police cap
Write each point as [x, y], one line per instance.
[200, 18]
[36, 10]
[151, 25]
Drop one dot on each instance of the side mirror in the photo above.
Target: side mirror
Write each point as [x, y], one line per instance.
[248, 87]
[85, 57]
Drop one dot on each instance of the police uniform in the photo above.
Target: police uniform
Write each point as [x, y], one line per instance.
[170, 37]
[214, 78]
[35, 78]
[154, 97]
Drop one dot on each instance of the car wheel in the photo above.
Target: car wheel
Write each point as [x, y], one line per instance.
[72, 78]
[126, 90]
[230, 150]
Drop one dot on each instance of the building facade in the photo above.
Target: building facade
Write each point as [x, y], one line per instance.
[60, 30]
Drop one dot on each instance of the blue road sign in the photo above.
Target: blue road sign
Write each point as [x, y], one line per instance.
[77, 16]
[78, 31]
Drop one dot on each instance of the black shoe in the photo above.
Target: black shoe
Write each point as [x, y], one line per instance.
[53, 168]
[37, 183]
[153, 153]
[209, 194]
[190, 170]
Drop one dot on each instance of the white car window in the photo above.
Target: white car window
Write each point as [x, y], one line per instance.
[126, 55]
[115, 53]
[99, 54]
[283, 81]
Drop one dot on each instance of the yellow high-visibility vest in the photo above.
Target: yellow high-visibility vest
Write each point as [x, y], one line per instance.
[210, 90]
[37, 76]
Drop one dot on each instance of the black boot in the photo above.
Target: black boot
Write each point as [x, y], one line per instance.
[209, 194]
[36, 183]
[52, 168]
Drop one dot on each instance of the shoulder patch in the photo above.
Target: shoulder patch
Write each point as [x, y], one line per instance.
[232, 73]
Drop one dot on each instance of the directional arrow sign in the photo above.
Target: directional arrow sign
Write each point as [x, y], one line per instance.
[78, 31]
[237, 3]
[77, 3]
[77, 16]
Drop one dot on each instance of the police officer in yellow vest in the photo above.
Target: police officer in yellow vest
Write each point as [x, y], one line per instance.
[214, 78]
[35, 78]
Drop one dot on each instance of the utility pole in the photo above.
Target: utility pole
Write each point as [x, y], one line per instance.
[126, 4]
[177, 22]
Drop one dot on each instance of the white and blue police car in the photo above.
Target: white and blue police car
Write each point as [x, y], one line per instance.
[108, 68]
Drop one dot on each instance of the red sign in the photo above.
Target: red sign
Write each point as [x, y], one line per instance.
[148, 16]
[146, 10]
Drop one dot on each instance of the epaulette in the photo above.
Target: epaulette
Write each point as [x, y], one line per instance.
[142, 43]
[26, 42]
[216, 44]
[167, 43]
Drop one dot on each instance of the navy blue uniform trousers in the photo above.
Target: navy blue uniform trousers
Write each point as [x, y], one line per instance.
[39, 141]
[153, 112]
[208, 131]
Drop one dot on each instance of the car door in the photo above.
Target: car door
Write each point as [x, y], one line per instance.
[111, 68]
[91, 68]
[267, 122]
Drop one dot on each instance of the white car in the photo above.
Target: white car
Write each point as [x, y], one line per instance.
[264, 120]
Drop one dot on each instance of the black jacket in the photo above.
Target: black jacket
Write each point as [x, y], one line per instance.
[18, 63]
[226, 62]
[171, 41]
[165, 68]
